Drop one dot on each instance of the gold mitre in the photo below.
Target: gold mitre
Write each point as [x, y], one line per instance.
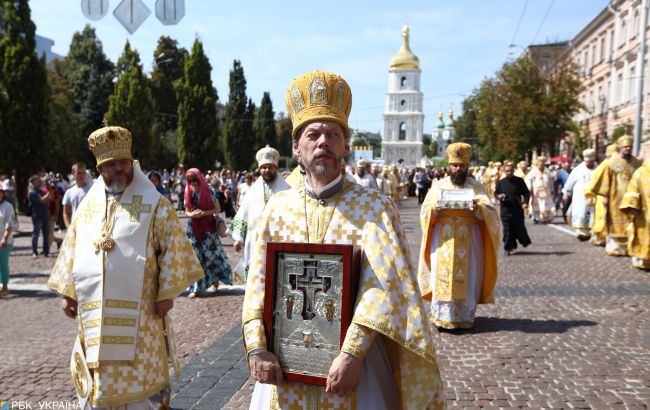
[267, 155]
[459, 153]
[110, 144]
[624, 141]
[611, 148]
[319, 95]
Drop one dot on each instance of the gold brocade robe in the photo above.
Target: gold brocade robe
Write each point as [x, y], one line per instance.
[296, 178]
[599, 229]
[611, 181]
[637, 196]
[170, 267]
[388, 301]
[452, 221]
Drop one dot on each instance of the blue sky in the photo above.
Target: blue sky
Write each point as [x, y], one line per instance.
[458, 42]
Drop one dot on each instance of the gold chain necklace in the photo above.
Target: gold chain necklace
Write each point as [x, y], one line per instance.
[105, 242]
[329, 219]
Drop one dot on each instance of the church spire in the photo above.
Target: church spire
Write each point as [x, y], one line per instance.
[405, 59]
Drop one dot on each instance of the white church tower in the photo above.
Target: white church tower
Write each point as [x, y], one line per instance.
[403, 117]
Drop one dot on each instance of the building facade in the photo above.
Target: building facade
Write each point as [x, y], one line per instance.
[606, 52]
[403, 116]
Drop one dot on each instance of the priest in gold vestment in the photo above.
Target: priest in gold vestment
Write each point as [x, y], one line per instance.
[123, 260]
[458, 256]
[610, 182]
[598, 230]
[636, 202]
[387, 360]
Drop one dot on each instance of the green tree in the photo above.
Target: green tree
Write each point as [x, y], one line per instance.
[89, 74]
[62, 140]
[238, 141]
[167, 71]
[264, 124]
[283, 130]
[198, 126]
[131, 105]
[24, 94]
[521, 110]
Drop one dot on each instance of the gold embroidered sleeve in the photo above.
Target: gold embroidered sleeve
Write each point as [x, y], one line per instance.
[177, 261]
[61, 280]
[358, 340]
[254, 337]
[632, 196]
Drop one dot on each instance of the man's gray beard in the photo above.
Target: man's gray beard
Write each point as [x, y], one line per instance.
[116, 187]
[320, 170]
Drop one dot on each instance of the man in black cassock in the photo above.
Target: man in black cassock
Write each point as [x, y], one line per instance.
[509, 192]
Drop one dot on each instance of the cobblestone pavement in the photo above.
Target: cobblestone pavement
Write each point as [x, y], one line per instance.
[570, 329]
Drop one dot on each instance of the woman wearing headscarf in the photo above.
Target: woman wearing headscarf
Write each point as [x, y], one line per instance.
[201, 207]
[156, 179]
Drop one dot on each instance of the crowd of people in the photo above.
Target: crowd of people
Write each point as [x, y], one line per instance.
[125, 256]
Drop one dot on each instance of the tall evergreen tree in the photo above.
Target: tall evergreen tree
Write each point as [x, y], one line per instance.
[23, 93]
[62, 140]
[89, 73]
[131, 104]
[198, 126]
[238, 141]
[264, 124]
[167, 70]
[283, 130]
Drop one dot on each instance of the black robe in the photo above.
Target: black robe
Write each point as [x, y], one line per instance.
[512, 214]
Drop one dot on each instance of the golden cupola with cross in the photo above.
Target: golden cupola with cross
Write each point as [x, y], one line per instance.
[405, 59]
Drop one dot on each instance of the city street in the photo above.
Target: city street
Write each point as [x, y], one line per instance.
[570, 329]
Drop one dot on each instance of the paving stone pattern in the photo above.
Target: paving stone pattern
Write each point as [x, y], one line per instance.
[570, 329]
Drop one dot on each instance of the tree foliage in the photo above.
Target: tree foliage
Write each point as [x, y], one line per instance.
[283, 128]
[264, 124]
[63, 141]
[520, 110]
[238, 141]
[23, 94]
[198, 126]
[169, 61]
[89, 74]
[131, 105]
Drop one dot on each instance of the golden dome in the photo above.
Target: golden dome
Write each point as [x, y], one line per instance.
[405, 59]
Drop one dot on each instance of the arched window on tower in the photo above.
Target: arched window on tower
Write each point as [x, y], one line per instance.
[402, 104]
[402, 82]
[402, 130]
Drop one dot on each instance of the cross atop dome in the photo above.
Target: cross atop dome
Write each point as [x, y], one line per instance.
[405, 59]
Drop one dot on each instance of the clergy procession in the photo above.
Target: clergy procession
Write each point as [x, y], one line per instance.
[167, 247]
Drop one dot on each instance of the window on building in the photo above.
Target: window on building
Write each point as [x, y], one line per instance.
[631, 89]
[585, 56]
[612, 47]
[635, 22]
[593, 54]
[623, 32]
[402, 104]
[403, 82]
[402, 130]
[619, 88]
[602, 49]
[601, 100]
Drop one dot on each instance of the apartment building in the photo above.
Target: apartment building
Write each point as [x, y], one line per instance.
[606, 52]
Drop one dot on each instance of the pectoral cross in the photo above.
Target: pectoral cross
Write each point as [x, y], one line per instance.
[136, 208]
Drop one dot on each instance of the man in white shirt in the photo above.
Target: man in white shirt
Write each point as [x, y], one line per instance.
[73, 196]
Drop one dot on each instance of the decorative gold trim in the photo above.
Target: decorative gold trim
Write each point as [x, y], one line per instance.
[118, 340]
[92, 305]
[92, 341]
[128, 398]
[119, 321]
[121, 304]
[453, 325]
[91, 323]
[177, 290]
